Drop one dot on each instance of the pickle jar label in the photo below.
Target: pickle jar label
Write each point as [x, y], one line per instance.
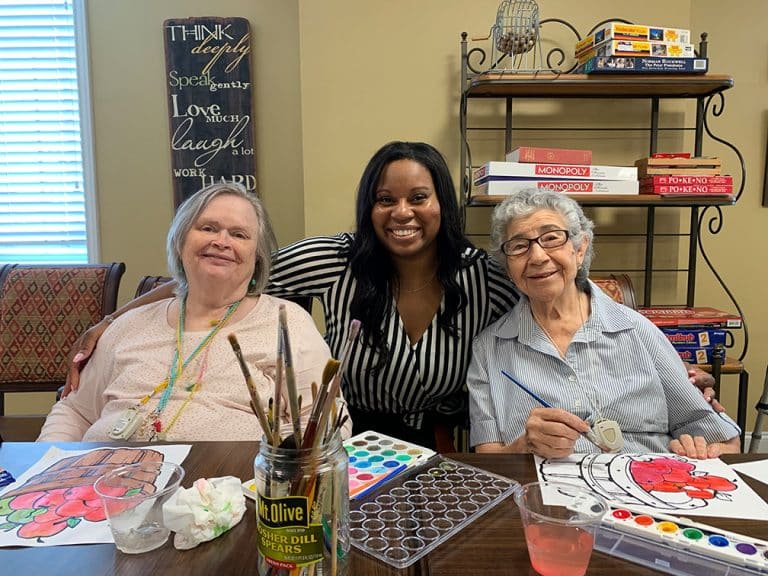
[286, 537]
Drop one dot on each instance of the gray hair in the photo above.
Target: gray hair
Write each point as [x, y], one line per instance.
[187, 215]
[530, 200]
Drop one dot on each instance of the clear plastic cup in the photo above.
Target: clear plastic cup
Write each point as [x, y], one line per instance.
[560, 521]
[133, 498]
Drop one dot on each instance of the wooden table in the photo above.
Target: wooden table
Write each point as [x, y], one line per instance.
[494, 544]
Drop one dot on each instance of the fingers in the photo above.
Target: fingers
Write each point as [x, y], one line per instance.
[83, 348]
[73, 375]
[709, 396]
[690, 446]
[552, 432]
[702, 380]
[715, 450]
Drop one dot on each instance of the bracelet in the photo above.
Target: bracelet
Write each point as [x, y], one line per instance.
[109, 318]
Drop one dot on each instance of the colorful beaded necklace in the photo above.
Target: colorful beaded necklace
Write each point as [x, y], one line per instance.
[158, 431]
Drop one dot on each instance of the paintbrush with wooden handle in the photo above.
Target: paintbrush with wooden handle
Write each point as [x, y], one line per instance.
[290, 376]
[256, 405]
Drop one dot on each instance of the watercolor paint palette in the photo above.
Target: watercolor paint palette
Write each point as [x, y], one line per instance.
[419, 509]
[374, 458]
[678, 546]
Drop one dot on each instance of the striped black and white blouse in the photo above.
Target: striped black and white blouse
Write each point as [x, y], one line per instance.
[426, 377]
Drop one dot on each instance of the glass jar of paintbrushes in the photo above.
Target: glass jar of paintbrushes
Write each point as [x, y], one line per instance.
[302, 485]
[302, 509]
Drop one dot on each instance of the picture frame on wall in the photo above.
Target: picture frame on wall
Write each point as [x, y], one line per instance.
[210, 103]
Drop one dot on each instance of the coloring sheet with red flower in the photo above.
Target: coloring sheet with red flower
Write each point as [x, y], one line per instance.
[659, 483]
[54, 503]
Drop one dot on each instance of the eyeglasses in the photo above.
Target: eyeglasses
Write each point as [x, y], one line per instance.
[549, 240]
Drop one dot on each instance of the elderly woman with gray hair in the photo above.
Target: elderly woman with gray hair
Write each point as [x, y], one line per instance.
[165, 371]
[570, 370]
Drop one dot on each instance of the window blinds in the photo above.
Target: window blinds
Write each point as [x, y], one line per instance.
[42, 200]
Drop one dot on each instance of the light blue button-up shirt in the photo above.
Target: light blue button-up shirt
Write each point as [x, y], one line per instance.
[618, 366]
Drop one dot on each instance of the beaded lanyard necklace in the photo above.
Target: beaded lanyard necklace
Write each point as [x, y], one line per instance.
[177, 369]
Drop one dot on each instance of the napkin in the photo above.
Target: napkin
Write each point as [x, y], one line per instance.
[205, 511]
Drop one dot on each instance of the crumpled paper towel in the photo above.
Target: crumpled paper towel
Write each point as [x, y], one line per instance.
[205, 511]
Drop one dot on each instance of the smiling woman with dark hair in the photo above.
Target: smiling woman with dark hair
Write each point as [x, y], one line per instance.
[418, 286]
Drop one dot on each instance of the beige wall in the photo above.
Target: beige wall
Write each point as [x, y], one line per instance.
[131, 121]
[739, 48]
[335, 79]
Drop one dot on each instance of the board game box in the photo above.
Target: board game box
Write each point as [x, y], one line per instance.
[549, 155]
[635, 48]
[671, 316]
[694, 338]
[638, 32]
[517, 170]
[643, 65]
[494, 187]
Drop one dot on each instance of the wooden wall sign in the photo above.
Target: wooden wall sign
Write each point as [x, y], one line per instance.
[207, 62]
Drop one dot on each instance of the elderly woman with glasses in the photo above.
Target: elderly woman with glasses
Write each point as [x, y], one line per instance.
[570, 370]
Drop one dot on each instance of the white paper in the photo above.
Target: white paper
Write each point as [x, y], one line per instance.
[659, 483]
[58, 507]
[757, 470]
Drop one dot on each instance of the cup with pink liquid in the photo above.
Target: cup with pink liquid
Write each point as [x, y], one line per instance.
[560, 522]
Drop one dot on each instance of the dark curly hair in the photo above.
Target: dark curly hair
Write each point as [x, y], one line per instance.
[370, 262]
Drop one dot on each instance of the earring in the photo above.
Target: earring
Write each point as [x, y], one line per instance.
[252, 283]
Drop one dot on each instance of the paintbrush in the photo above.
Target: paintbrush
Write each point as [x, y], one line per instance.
[341, 418]
[331, 367]
[279, 371]
[290, 376]
[335, 385]
[256, 406]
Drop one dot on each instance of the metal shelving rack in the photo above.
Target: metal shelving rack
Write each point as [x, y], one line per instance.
[705, 213]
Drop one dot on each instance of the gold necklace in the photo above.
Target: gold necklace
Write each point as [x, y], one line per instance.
[547, 334]
[420, 288]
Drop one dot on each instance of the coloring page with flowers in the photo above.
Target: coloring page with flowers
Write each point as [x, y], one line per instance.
[659, 483]
[54, 503]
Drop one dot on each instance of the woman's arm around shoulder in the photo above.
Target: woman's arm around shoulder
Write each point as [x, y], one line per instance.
[71, 417]
[84, 345]
[310, 266]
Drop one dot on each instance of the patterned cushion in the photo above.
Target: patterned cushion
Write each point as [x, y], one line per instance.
[42, 312]
[612, 288]
[618, 287]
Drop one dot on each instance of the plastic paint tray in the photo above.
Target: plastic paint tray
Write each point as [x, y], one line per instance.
[419, 509]
[675, 554]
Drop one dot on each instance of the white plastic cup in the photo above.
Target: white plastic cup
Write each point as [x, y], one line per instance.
[560, 521]
[133, 498]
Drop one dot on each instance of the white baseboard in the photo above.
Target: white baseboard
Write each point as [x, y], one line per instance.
[761, 448]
